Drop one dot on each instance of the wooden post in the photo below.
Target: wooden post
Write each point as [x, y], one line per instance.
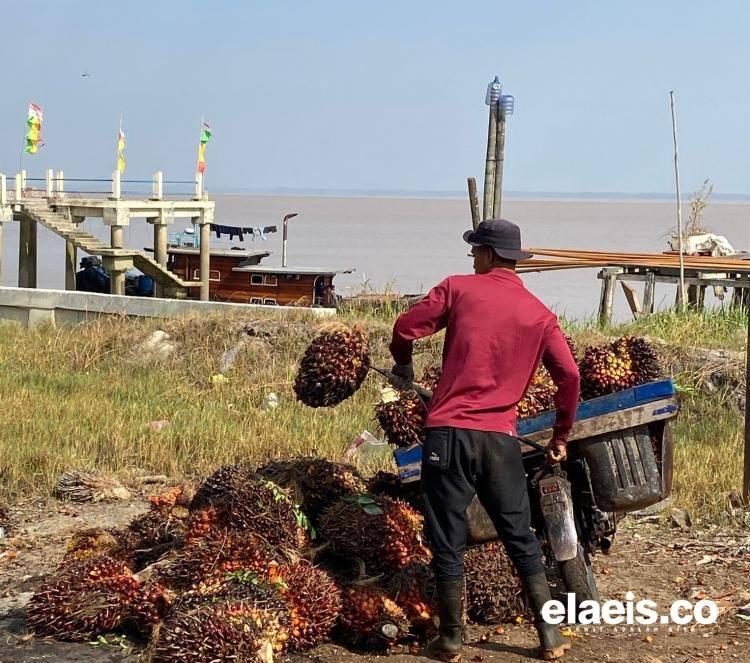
[648, 293]
[490, 164]
[632, 298]
[746, 475]
[205, 256]
[71, 260]
[27, 253]
[473, 202]
[607, 297]
[499, 162]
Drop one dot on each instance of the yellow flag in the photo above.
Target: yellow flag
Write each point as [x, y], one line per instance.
[120, 151]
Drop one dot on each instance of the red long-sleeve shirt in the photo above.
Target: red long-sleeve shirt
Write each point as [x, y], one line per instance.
[496, 334]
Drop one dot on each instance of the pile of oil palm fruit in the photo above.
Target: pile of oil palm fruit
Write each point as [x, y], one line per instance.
[265, 560]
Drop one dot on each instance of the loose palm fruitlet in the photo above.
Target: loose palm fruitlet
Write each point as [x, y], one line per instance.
[333, 367]
[245, 501]
[493, 589]
[623, 364]
[85, 599]
[370, 618]
[242, 625]
[314, 483]
[402, 419]
[385, 534]
[314, 601]
[539, 396]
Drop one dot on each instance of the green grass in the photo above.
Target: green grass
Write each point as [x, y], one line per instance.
[84, 396]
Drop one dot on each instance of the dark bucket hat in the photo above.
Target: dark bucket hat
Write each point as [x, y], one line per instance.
[503, 236]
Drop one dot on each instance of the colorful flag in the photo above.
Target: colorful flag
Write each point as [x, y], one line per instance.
[205, 137]
[34, 131]
[120, 150]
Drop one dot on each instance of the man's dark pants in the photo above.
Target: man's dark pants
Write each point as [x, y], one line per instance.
[457, 464]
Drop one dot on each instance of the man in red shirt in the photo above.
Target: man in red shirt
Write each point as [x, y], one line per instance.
[497, 332]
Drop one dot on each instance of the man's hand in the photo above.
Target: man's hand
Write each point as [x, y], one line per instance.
[404, 376]
[556, 452]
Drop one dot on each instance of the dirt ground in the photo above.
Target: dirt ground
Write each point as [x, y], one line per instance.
[654, 563]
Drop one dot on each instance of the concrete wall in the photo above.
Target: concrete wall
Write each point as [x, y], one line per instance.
[31, 307]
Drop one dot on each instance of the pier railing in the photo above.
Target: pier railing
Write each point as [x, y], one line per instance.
[55, 185]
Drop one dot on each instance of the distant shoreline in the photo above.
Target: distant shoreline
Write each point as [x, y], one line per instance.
[593, 197]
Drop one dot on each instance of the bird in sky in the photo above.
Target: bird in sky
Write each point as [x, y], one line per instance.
[85, 74]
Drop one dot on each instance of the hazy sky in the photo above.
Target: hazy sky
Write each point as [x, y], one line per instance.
[353, 95]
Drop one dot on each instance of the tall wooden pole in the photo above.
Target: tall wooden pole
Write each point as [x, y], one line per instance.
[473, 202]
[499, 161]
[681, 286]
[490, 163]
[746, 476]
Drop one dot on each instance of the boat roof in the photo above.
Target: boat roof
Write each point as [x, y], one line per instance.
[234, 253]
[268, 269]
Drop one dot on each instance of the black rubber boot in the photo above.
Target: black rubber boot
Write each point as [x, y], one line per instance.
[447, 646]
[552, 644]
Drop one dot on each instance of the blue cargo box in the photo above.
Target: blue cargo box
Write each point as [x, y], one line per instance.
[409, 459]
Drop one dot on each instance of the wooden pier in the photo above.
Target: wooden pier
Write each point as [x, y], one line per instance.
[64, 212]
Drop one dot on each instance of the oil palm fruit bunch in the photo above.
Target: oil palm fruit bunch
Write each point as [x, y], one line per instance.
[149, 607]
[204, 563]
[370, 618]
[493, 589]
[646, 364]
[431, 377]
[401, 415]
[333, 367]
[313, 483]
[204, 523]
[413, 590]
[539, 396]
[620, 365]
[91, 542]
[386, 534]
[389, 484]
[162, 528]
[241, 624]
[314, 602]
[85, 599]
[245, 501]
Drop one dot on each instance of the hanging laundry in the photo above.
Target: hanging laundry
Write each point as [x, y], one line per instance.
[237, 231]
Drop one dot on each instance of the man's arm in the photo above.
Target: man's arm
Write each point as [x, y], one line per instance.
[558, 360]
[423, 319]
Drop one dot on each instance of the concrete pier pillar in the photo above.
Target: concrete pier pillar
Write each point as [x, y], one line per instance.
[117, 282]
[160, 250]
[205, 254]
[27, 251]
[117, 237]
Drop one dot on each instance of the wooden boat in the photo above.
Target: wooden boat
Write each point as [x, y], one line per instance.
[236, 275]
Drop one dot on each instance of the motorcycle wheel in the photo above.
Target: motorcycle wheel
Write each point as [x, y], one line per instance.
[578, 577]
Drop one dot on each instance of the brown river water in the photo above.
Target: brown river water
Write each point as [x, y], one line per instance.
[409, 244]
